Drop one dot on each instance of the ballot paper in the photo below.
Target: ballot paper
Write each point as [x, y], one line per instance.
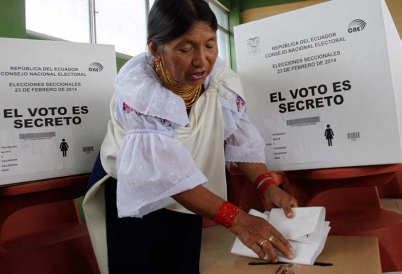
[307, 232]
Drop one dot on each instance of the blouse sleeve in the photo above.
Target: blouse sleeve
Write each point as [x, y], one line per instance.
[151, 165]
[243, 141]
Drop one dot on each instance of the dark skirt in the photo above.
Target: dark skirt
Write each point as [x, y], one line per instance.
[163, 241]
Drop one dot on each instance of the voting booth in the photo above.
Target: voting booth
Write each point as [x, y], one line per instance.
[54, 107]
[323, 85]
[53, 118]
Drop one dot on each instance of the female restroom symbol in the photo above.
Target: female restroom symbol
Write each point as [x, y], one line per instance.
[329, 135]
[64, 147]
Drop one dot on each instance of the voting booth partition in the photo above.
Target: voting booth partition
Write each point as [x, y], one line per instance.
[325, 92]
[54, 108]
[323, 85]
[53, 118]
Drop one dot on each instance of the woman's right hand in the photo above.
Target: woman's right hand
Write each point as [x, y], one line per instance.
[253, 231]
[250, 229]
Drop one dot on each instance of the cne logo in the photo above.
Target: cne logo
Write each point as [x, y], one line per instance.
[356, 26]
[95, 67]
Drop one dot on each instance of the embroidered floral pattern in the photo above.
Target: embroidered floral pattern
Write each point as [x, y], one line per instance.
[128, 109]
[239, 103]
[164, 122]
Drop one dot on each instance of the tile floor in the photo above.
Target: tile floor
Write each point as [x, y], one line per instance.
[216, 239]
[392, 204]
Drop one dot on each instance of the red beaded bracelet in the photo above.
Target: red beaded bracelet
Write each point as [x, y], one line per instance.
[263, 182]
[258, 181]
[226, 214]
[265, 185]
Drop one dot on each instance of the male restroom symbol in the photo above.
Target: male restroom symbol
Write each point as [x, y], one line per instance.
[329, 135]
[64, 147]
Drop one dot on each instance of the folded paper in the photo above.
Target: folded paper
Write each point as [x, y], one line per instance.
[307, 232]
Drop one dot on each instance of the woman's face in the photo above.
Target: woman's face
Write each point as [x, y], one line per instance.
[191, 57]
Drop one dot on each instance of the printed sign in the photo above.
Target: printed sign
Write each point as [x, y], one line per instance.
[323, 84]
[54, 108]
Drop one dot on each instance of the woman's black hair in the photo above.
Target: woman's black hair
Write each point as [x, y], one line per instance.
[170, 19]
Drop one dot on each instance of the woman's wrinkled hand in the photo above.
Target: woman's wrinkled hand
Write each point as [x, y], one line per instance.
[260, 236]
[276, 197]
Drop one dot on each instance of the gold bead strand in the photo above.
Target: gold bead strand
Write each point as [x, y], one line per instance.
[189, 94]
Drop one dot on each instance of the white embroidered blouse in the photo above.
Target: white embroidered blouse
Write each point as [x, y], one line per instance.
[151, 164]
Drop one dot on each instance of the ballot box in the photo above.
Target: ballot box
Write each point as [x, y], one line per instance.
[341, 254]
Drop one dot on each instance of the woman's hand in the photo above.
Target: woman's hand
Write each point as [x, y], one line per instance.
[255, 232]
[260, 236]
[276, 197]
[273, 195]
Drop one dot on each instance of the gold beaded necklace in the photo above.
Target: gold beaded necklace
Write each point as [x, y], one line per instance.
[189, 94]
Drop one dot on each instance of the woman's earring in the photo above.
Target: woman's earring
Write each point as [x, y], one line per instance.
[158, 65]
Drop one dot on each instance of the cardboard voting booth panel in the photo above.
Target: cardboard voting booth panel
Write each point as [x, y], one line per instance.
[323, 85]
[54, 107]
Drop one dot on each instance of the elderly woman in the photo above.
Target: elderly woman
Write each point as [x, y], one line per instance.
[178, 114]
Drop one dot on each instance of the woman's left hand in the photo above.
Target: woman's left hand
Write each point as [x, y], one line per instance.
[273, 195]
[276, 197]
